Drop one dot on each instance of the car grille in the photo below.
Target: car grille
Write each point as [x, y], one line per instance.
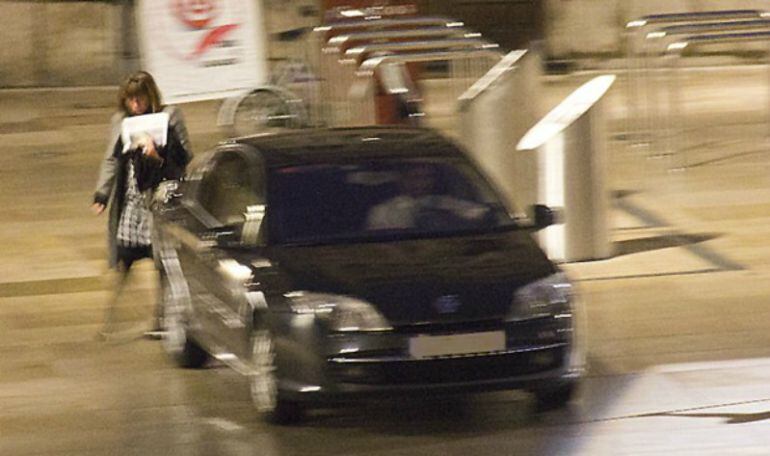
[521, 333]
[450, 327]
[460, 369]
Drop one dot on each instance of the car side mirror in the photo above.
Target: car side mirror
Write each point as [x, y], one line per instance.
[544, 216]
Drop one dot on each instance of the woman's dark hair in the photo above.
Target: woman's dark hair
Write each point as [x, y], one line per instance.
[137, 84]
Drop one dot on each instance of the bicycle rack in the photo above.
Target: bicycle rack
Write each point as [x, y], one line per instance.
[336, 92]
[337, 51]
[674, 53]
[654, 47]
[358, 54]
[323, 33]
[634, 34]
[355, 56]
[362, 90]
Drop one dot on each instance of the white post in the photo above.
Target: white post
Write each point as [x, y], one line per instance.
[570, 144]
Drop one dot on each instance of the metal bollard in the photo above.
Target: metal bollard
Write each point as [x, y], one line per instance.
[570, 147]
[494, 114]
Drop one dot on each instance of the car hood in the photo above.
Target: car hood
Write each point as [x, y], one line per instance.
[454, 279]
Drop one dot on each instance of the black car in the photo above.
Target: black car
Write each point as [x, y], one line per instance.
[338, 264]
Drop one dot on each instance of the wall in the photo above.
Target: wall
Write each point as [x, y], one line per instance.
[93, 42]
[58, 43]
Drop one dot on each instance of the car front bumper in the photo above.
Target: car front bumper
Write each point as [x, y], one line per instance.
[346, 379]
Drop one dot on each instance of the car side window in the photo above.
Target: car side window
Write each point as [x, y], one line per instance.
[228, 189]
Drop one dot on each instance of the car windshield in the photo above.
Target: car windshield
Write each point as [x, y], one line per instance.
[380, 200]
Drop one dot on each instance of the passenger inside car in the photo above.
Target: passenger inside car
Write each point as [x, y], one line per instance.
[322, 203]
[423, 201]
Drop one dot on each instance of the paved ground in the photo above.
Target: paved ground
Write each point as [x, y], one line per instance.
[679, 318]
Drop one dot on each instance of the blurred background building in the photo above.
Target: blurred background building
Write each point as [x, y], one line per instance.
[74, 43]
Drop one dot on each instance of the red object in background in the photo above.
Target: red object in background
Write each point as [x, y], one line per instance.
[390, 110]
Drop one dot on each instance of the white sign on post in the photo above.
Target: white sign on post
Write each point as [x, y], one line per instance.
[202, 49]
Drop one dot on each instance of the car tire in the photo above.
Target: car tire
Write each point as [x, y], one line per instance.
[556, 397]
[263, 382]
[176, 341]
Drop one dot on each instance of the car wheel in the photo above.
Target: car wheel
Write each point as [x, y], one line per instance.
[264, 384]
[185, 351]
[555, 398]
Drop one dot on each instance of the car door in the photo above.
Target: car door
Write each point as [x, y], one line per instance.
[240, 210]
[225, 195]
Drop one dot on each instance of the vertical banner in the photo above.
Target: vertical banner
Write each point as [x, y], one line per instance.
[202, 49]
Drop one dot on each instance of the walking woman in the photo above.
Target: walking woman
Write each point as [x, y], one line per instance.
[127, 178]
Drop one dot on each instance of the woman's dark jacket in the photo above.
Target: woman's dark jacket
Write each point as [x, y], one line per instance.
[111, 184]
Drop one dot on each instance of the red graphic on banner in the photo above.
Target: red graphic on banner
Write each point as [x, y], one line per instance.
[213, 37]
[196, 14]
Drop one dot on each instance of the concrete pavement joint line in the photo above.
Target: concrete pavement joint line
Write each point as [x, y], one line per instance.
[674, 412]
[725, 158]
[651, 275]
[697, 249]
[731, 364]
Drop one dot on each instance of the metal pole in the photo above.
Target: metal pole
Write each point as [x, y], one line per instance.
[767, 120]
[675, 121]
[632, 108]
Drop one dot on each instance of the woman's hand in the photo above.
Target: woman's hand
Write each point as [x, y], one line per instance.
[97, 208]
[151, 151]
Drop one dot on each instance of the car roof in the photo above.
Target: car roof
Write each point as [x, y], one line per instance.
[335, 145]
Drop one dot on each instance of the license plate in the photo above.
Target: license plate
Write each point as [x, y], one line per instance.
[456, 344]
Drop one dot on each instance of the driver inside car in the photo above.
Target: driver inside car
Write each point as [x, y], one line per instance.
[421, 204]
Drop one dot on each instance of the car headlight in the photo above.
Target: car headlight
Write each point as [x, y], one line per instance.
[342, 313]
[548, 297]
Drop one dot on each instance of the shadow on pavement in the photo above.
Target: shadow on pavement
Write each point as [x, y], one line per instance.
[631, 246]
